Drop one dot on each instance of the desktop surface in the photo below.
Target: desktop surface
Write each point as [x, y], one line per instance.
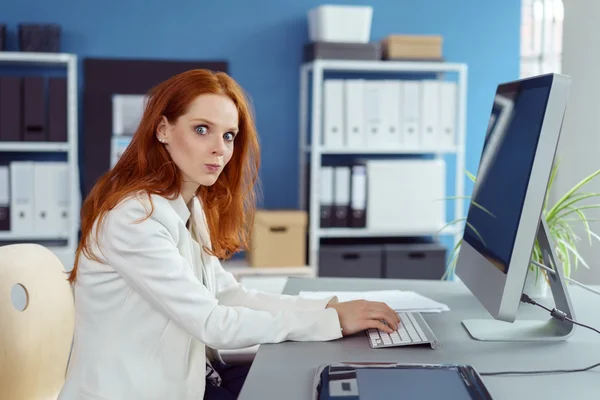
[286, 370]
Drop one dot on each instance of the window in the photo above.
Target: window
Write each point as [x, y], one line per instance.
[541, 36]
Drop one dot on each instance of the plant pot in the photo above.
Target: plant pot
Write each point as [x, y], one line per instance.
[536, 286]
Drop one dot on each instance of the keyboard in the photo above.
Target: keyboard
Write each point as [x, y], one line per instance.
[413, 330]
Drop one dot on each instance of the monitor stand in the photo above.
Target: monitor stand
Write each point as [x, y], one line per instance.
[532, 330]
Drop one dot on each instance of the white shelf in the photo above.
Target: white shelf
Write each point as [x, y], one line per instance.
[34, 146]
[67, 62]
[19, 57]
[391, 150]
[4, 235]
[385, 66]
[312, 77]
[365, 232]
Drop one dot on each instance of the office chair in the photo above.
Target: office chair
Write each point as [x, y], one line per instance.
[35, 342]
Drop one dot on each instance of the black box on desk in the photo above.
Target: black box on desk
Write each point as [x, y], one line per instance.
[351, 261]
[414, 261]
[341, 51]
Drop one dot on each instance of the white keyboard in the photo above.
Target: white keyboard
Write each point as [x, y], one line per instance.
[413, 330]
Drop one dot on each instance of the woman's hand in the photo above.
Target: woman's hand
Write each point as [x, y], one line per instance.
[358, 315]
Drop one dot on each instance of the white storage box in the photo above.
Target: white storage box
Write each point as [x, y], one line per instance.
[406, 196]
[340, 23]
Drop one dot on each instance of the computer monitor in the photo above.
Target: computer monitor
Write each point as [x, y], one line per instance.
[505, 214]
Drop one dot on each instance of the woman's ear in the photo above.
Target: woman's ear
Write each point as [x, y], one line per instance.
[162, 131]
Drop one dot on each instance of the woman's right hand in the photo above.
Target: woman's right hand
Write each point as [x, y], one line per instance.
[358, 315]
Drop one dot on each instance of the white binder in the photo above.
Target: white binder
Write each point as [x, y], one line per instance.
[354, 113]
[341, 199]
[373, 114]
[410, 110]
[430, 114]
[22, 192]
[390, 113]
[333, 114]
[448, 110]
[50, 192]
[62, 198]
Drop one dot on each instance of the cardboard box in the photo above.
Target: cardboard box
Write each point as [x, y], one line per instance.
[415, 47]
[278, 239]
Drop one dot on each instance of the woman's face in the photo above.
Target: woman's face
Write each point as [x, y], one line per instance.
[201, 141]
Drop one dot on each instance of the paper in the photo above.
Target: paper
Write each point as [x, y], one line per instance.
[398, 300]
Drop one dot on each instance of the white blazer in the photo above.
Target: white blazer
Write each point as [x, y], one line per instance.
[146, 318]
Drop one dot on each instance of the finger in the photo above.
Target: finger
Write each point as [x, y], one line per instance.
[389, 310]
[391, 316]
[386, 318]
[374, 323]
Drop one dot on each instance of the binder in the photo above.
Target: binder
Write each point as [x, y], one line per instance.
[62, 198]
[358, 201]
[4, 198]
[57, 109]
[34, 109]
[448, 110]
[430, 105]
[341, 199]
[333, 114]
[49, 188]
[373, 114]
[410, 104]
[22, 192]
[326, 196]
[10, 109]
[390, 113]
[354, 113]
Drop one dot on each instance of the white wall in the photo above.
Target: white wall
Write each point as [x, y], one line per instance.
[579, 149]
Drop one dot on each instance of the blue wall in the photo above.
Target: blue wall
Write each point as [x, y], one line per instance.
[264, 50]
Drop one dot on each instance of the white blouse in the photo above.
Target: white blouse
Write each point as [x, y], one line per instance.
[147, 317]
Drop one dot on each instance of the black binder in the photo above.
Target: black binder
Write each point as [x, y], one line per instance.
[371, 381]
[358, 196]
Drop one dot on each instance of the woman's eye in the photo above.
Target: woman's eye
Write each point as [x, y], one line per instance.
[229, 136]
[201, 129]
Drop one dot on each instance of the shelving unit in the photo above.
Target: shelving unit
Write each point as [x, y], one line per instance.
[312, 77]
[15, 60]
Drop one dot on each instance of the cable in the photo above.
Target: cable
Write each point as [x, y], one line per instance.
[560, 315]
[551, 371]
[548, 269]
[555, 313]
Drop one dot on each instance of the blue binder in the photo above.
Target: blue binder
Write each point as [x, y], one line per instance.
[374, 381]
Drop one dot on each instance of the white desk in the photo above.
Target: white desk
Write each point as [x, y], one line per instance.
[286, 370]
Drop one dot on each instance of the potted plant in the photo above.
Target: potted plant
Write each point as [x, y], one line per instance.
[561, 219]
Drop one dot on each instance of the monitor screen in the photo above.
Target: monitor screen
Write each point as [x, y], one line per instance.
[506, 162]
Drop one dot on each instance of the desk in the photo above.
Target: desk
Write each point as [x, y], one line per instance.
[286, 370]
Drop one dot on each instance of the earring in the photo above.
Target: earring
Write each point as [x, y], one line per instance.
[162, 140]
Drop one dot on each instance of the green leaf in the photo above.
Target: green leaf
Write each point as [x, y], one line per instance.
[569, 203]
[551, 182]
[573, 251]
[588, 207]
[573, 190]
[471, 176]
[483, 209]
[477, 233]
[585, 223]
[456, 221]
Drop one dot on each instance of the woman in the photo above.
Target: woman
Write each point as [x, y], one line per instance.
[153, 303]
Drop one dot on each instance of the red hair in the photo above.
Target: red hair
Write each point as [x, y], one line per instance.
[147, 167]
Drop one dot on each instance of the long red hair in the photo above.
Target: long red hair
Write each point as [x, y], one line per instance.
[146, 167]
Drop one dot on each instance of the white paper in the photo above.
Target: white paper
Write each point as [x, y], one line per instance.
[398, 300]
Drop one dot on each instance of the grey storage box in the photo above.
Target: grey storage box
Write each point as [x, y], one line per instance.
[351, 261]
[342, 51]
[414, 261]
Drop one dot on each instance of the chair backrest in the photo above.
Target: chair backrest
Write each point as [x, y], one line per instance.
[35, 343]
